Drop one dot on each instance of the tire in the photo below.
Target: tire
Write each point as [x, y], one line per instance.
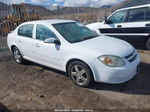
[80, 73]
[17, 56]
[148, 44]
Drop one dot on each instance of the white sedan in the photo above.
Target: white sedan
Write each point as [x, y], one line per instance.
[71, 47]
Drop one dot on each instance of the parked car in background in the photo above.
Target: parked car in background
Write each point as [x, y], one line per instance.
[130, 24]
[73, 48]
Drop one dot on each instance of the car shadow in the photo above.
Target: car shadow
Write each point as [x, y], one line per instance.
[3, 108]
[140, 84]
[140, 48]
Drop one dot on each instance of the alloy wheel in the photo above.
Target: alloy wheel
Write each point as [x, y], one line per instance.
[17, 55]
[79, 74]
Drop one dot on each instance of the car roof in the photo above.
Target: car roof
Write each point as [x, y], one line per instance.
[139, 6]
[50, 21]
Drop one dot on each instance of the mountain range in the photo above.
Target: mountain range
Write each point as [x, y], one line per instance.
[130, 3]
[69, 10]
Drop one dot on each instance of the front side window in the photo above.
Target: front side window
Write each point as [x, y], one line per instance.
[147, 14]
[43, 32]
[118, 17]
[26, 30]
[136, 15]
[74, 32]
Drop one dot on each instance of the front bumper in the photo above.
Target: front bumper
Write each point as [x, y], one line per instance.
[115, 75]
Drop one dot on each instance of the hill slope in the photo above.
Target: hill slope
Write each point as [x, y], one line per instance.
[42, 11]
[130, 3]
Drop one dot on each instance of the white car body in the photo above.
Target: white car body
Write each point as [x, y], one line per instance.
[87, 51]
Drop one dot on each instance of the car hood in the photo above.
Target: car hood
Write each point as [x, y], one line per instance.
[105, 45]
[96, 24]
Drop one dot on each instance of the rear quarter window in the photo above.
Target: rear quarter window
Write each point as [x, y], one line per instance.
[26, 30]
[147, 14]
[137, 14]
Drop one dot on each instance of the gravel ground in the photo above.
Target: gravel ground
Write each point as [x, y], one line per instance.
[39, 88]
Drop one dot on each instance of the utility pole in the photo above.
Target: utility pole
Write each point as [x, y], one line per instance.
[78, 13]
[105, 12]
[58, 11]
[94, 13]
[74, 8]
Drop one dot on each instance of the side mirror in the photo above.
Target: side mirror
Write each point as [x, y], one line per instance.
[108, 21]
[57, 42]
[52, 41]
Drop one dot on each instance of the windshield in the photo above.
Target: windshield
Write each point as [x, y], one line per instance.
[75, 32]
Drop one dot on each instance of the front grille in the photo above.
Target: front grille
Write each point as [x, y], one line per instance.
[131, 57]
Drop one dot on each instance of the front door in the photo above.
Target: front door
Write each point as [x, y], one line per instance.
[114, 25]
[48, 54]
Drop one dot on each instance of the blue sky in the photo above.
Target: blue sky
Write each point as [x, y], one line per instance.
[89, 3]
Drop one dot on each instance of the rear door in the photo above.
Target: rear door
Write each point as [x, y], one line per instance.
[136, 27]
[114, 25]
[25, 40]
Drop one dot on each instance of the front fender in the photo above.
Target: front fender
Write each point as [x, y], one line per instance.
[84, 58]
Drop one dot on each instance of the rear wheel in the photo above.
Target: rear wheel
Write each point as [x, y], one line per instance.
[17, 55]
[148, 44]
[80, 74]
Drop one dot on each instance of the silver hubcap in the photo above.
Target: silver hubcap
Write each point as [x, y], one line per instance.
[79, 74]
[17, 55]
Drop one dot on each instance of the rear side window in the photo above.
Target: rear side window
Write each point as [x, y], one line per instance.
[26, 30]
[136, 15]
[147, 14]
[118, 17]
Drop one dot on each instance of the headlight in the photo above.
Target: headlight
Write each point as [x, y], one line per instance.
[112, 61]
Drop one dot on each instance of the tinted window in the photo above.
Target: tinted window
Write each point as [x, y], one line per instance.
[136, 15]
[43, 32]
[118, 17]
[148, 13]
[26, 30]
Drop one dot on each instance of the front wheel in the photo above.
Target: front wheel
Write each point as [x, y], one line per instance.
[80, 74]
[17, 55]
[148, 44]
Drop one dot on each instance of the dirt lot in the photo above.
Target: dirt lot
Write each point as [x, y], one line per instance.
[32, 86]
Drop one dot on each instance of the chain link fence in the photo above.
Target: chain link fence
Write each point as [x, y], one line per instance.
[11, 15]
[82, 14]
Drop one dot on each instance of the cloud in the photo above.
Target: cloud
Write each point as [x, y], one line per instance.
[54, 4]
[39, 1]
[60, 0]
[13, 1]
[77, 3]
[89, 3]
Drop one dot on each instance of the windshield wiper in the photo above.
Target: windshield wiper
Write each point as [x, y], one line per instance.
[86, 38]
[90, 37]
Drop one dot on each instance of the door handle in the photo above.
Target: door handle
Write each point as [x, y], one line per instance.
[119, 26]
[147, 24]
[37, 45]
[19, 41]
